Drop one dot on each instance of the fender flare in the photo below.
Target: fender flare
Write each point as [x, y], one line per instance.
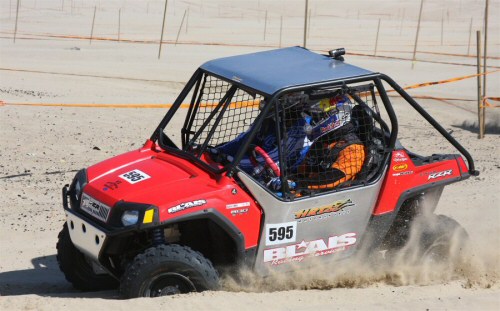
[379, 225]
[219, 219]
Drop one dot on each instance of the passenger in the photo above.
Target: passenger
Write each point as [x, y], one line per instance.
[335, 155]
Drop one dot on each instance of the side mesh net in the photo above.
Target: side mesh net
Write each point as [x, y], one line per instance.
[328, 138]
[223, 112]
[332, 138]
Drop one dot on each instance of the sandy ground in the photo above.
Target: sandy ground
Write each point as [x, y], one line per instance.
[45, 146]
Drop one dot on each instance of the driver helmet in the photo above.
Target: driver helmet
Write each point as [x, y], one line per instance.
[326, 116]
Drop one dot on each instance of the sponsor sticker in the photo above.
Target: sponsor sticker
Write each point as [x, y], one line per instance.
[237, 205]
[323, 212]
[329, 126]
[400, 159]
[134, 176]
[186, 205]
[400, 167]
[399, 156]
[95, 208]
[281, 233]
[403, 173]
[111, 185]
[237, 212]
[298, 252]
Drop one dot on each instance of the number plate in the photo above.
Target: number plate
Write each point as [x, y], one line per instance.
[281, 233]
[134, 176]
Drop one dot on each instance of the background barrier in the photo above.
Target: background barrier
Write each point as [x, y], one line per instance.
[486, 100]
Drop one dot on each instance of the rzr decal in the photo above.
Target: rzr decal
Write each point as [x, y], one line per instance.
[281, 233]
[333, 208]
[186, 205]
[298, 252]
[134, 176]
[439, 174]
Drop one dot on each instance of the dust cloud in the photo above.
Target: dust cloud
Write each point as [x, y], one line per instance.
[450, 257]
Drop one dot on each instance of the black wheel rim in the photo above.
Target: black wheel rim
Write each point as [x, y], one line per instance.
[169, 283]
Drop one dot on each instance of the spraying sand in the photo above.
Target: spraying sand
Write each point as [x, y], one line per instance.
[42, 147]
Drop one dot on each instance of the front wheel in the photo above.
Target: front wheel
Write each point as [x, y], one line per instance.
[78, 269]
[168, 270]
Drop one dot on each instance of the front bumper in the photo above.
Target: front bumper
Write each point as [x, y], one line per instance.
[90, 235]
[85, 236]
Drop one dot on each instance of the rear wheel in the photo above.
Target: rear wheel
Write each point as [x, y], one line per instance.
[168, 270]
[437, 238]
[78, 269]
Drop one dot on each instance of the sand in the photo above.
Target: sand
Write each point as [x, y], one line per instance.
[45, 146]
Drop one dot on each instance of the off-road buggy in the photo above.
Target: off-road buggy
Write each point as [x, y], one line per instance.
[170, 217]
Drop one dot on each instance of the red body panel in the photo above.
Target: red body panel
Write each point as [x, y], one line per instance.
[171, 182]
[404, 175]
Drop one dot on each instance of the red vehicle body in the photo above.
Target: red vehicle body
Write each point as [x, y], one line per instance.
[185, 181]
[168, 219]
[404, 175]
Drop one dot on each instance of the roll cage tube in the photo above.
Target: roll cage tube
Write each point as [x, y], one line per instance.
[193, 108]
[390, 112]
[226, 100]
[176, 105]
[433, 122]
[375, 115]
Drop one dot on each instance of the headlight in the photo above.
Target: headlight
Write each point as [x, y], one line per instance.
[130, 218]
[76, 188]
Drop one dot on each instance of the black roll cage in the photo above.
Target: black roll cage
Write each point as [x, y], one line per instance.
[376, 78]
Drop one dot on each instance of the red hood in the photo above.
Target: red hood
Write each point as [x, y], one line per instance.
[166, 180]
[169, 182]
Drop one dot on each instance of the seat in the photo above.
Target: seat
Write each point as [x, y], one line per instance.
[361, 117]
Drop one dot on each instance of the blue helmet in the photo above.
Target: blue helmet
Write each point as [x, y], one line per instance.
[327, 115]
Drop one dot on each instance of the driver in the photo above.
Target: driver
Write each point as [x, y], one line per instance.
[336, 154]
[267, 141]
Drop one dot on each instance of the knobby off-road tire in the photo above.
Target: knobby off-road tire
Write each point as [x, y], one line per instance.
[77, 269]
[437, 238]
[168, 270]
[444, 239]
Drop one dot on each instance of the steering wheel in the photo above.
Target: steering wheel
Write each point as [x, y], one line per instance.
[270, 166]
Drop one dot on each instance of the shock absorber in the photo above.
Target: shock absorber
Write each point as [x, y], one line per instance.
[158, 236]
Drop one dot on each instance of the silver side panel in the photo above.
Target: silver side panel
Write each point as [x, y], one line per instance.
[326, 227]
[87, 238]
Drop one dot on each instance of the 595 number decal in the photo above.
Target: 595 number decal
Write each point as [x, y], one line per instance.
[134, 176]
[281, 233]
